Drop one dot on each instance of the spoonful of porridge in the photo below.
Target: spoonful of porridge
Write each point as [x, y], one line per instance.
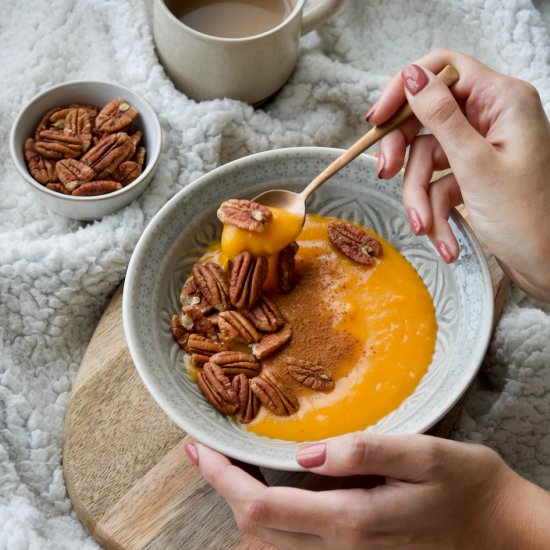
[274, 218]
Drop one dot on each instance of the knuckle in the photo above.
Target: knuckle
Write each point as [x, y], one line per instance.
[356, 526]
[421, 144]
[433, 458]
[440, 109]
[357, 450]
[517, 90]
[486, 455]
[528, 91]
[440, 53]
[215, 477]
[254, 514]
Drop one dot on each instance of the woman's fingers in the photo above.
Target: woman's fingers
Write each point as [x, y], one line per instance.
[387, 515]
[444, 194]
[438, 111]
[393, 146]
[425, 157]
[404, 457]
[428, 203]
[254, 504]
[471, 72]
[232, 482]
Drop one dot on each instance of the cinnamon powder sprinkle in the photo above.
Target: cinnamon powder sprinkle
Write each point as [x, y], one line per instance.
[314, 337]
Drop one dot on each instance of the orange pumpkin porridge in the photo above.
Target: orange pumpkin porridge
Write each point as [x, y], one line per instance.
[308, 343]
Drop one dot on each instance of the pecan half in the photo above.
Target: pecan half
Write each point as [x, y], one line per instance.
[309, 374]
[127, 172]
[272, 343]
[355, 243]
[191, 296]
[77, 124]
[59, 188]
[274, 395]
[286, 268]
[73, 170]
[237, 362]
[265, 315]
[99, 187]
[181, 334]
[41, 169]
[211, 281]
[217, 389]
[92, 110]
[247, 279]
[111, 150]
[200, 322]
[244, 214]
[46, 123]
[139, 156]
[249, 404]
[56, 145]
[234, 327]
[115, 116]
[70, 186]
[136, 137]
[202, 345]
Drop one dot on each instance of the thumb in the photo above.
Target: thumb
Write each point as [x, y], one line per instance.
[436, 108]
[405, 457]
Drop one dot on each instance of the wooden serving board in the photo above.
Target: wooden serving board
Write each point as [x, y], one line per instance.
[127, 475]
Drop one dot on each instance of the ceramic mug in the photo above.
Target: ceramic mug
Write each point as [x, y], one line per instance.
[250, 69]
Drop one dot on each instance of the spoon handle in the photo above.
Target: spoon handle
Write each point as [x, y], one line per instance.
[448, 76]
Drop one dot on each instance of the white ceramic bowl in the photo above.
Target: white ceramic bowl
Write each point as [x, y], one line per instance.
[94, 93]
[177, 236]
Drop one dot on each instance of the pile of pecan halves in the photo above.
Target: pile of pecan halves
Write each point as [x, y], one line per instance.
[82, 150]
[224, 312]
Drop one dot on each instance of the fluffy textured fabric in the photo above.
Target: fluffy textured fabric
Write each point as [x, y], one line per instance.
[57, 275]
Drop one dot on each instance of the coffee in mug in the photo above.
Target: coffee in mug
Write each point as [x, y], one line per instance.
[231, 18]
[253, 63]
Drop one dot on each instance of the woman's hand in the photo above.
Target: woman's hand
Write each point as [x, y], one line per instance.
[491, 130]
[437, 494]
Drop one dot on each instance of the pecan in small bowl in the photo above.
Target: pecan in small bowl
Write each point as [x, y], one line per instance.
[87, 148]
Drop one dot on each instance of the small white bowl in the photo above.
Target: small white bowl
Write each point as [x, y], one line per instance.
[96, 93]
[179, 233]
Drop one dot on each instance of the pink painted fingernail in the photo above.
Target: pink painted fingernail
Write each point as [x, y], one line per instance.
[414, 78]
[370, 112]
[445, 252]
[414, 220]
[192, 452]
[381, 164]
[312, 455]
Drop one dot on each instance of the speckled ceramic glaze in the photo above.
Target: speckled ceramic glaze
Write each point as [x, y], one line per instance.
[179, 233]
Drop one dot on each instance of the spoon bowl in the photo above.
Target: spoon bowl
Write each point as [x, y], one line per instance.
[295, 203]
[292, 202]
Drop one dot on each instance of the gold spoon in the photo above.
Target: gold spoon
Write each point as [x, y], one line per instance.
[296, 202]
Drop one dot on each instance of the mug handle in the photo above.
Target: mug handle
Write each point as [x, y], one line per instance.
[318, 13]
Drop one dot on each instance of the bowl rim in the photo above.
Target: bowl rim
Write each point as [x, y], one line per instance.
[22, 167]
[149, 381]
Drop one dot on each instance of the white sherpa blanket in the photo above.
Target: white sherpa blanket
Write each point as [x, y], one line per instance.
[56, 275]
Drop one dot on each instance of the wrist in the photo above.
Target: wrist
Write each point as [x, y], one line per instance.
[521, 517]
[536, 284]
[537, 518]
